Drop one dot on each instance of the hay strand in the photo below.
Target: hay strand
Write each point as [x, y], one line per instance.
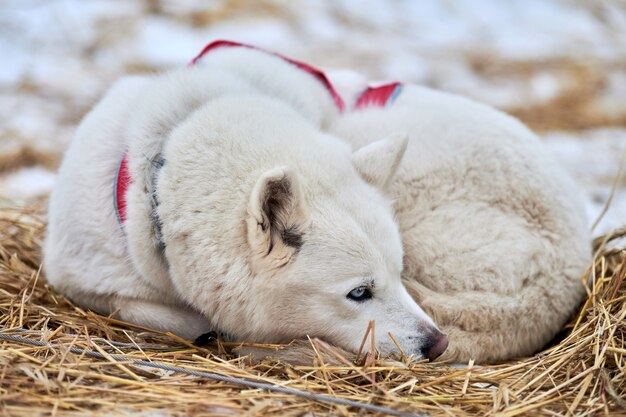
[86, 364]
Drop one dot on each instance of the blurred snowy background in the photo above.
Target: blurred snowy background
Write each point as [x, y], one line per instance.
[558, 65]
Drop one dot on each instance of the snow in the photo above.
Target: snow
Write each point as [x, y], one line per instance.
[59, 56]
[177, 43]
[27, 183]
[594, 161]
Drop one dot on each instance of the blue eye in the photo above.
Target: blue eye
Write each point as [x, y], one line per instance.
[360, 294]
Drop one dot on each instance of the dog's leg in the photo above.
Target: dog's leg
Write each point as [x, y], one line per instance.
[299, 352]
[178, 320]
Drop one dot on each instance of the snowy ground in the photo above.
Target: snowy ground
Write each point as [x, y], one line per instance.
[560, 66]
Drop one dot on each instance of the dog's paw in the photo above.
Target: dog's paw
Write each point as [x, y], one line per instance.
[205, 339]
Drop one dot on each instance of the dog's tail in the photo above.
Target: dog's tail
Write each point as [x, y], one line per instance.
[489, 327]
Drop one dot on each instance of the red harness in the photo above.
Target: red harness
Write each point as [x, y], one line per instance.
[372, 97]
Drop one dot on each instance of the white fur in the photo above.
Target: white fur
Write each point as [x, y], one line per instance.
[494, 232]
[257, 159]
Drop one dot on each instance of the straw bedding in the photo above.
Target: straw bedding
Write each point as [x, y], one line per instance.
[582, 374]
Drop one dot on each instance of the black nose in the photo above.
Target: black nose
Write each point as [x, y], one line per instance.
[436, 344]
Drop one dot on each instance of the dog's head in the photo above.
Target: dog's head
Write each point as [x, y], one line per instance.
[331, 261]
[313, 248]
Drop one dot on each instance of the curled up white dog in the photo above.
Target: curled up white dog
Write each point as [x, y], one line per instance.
[243, 195]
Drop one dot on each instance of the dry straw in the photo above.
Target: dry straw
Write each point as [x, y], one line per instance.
[583, 374]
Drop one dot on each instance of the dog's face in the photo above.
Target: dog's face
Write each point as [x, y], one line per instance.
[330, 264]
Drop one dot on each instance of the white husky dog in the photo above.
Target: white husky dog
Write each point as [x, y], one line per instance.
[239, 195]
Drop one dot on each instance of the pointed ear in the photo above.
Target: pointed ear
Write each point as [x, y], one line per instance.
[377, 162]
[276, 218]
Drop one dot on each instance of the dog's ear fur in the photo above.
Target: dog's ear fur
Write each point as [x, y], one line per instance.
[276, 218]
[377, 162]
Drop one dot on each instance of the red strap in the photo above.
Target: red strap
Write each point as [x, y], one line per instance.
[305, 67]
[122, 181]
[378, 96]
